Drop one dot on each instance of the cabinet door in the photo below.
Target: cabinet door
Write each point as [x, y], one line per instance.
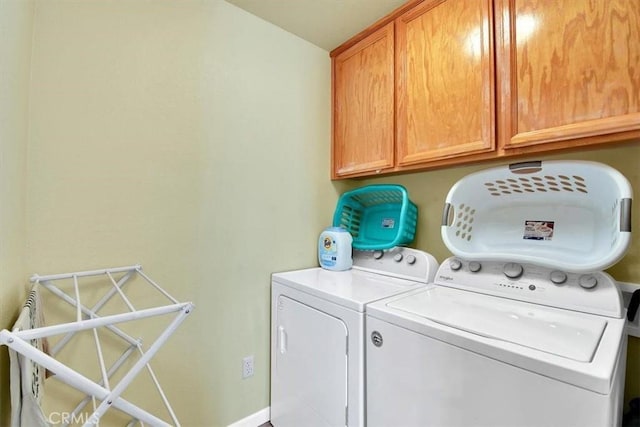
[569, 71]
[445, 82]
[363, 120]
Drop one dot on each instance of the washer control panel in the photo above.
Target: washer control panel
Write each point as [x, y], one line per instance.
[595, 293]
[399, 261]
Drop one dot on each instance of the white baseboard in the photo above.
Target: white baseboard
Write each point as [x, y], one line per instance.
[254, 420]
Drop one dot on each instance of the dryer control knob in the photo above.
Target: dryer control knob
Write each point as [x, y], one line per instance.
[512, 270]
[378, 254]
[397, 257]
[411, 259]
[587, 281]
[558, 277]
[474, 266]
[376, 338]
[455, 264]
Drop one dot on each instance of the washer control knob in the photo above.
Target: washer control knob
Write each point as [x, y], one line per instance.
[588, 281]
[397, 257]
[512, 270]
[411, 259]
[474, 266]
[558, 277]
[455, 264]
[377, 254]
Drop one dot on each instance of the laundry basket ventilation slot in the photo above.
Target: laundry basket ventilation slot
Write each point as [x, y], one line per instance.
[537, 184]
[350, 219]
[464, 222]
[373, 198]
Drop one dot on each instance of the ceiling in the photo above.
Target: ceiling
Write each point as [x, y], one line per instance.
[325, 23]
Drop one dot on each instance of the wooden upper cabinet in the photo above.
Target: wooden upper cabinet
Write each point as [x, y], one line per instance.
[442, 82]
[363, 102]
[568, 71]
[445, 81]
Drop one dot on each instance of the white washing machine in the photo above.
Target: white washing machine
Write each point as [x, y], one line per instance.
[498, 344]
[521, 327]
[317, 334]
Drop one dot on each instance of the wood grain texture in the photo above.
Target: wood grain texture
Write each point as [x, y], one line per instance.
[363, 116]
[568, 70]
[477, 80]
[445, 81]
[382, 22]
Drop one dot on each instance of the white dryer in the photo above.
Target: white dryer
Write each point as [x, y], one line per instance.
[498, 344]
[317, 334]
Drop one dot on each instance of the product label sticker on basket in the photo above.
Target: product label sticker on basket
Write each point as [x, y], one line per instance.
[538, 230]
[388, 223]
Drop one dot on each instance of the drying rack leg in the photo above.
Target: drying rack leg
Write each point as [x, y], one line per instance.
[112, 370]
[74, 379]
[138, 366]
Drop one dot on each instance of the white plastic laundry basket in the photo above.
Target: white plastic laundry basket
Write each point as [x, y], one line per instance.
[570, 215]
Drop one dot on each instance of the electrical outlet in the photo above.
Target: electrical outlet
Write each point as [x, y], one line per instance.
[247, 367]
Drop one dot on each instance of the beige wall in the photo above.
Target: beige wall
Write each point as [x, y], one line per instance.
[190, 137]
[16, 19]
[429, 190]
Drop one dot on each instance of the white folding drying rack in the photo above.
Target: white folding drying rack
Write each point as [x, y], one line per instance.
[87, 318]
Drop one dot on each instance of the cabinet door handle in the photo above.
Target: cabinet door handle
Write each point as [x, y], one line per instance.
[282, 340]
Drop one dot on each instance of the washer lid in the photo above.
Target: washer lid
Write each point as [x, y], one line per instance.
[559, 332]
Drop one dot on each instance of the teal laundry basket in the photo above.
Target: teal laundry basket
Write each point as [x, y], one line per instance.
[377, 216]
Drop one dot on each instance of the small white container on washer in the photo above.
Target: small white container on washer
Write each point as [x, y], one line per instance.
[335, 248]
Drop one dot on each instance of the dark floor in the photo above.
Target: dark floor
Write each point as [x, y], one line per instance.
[267, 424]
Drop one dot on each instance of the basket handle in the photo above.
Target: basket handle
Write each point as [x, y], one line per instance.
[447, 215]
[526, 167]
[625, 215]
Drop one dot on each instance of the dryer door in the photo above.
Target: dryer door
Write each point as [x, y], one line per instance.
[310, 381]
